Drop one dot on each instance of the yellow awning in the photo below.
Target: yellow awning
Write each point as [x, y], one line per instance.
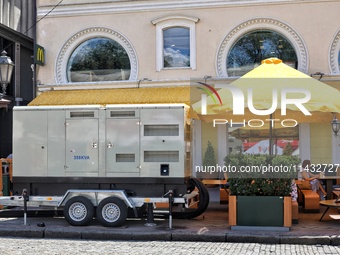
[273, 75]
[150, 95]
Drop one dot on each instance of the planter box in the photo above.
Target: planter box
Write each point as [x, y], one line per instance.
[263, 211]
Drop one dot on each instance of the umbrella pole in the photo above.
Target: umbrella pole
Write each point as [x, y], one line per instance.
[271, 136]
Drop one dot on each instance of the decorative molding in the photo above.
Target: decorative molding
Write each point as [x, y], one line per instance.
[177, 17]
[86, 34]
[256, 24]
[334, 54]
[107, 7]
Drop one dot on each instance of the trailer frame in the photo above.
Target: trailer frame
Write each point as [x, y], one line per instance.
[110, 205]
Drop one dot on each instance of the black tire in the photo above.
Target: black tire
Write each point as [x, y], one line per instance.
[202, 205]
[111, 212]
[78, 211]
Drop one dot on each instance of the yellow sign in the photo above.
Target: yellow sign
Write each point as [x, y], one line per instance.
[39, 55]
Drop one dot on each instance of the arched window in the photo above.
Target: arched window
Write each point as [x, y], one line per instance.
[95, 55]
[98, 59]
[245, 45]
[335, 54]
[253, 47]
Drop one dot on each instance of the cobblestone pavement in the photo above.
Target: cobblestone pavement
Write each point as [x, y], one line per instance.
[13, 246]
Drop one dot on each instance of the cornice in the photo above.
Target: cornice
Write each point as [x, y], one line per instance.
[114, 84]
[166, 18]
[15, 36]
[105, 7]
[130, 84]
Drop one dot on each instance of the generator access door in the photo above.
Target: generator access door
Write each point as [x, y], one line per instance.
[82, 143]
[122, 142]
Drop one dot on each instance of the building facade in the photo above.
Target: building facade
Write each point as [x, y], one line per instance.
[91, 45]
[17, 33]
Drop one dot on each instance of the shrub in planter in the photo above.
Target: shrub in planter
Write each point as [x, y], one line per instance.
[274, 176]
[267, 194]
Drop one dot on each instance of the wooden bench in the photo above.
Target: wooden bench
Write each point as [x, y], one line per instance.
[310, 200]
[307, 198]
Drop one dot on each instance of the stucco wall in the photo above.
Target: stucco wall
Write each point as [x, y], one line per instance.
[315, 22]
[321, 143]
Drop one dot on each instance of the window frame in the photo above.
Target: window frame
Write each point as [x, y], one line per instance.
[72, 60]
[74, 41]
[334, 54]
[172, 22]
[253, 25]
[259, 33]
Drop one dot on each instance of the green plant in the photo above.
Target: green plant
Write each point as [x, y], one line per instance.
[209, 156]
[261, 175]
[288, 150]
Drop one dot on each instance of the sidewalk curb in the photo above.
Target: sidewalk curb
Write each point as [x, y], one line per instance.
[247, 238]
[194, 237]
[110, 234]
[307, 240]
[19, 232]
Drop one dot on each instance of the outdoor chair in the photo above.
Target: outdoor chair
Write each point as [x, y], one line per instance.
[306, 197]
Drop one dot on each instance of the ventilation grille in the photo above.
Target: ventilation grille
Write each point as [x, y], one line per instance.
[161, 156]
[82, 114]
[122, 114]
[125, 157]
[161, 130]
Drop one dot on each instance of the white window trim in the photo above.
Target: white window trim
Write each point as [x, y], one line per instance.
[334, 54]
[74, 41]
[257, 24]
[174, 21]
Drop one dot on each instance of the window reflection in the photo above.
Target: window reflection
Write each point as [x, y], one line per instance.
[98, 59]
[176, 43]
[285, 141]
[252, 48]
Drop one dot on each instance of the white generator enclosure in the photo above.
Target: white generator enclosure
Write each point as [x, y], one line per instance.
[111, 147]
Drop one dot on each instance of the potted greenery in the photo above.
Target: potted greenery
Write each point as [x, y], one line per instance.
[260, 198]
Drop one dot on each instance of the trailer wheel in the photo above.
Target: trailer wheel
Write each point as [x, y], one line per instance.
[78, 211]
[111, 212]
[203, 201]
